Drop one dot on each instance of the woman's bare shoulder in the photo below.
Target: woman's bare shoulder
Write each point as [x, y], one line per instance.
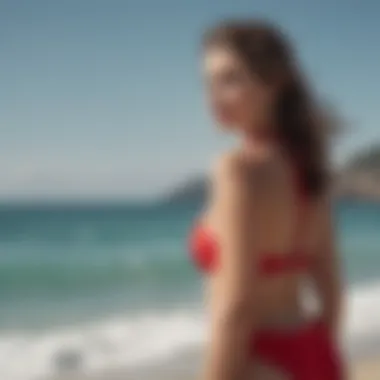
[234, 167]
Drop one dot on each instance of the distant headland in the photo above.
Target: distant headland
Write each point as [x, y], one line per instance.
[358, 180]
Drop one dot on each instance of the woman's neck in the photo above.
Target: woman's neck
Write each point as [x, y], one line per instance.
[260, 138]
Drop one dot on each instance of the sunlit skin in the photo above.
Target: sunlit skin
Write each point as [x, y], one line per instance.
[238, 101]
[253, 209]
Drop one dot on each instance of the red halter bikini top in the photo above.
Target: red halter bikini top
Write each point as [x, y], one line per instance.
[204, 247]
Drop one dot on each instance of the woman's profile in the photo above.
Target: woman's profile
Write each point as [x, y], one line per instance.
[267, 225]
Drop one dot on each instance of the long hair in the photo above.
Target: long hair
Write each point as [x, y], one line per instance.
[300, 121]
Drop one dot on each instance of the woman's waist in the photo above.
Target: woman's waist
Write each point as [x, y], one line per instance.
[300, 331]
[291, 318]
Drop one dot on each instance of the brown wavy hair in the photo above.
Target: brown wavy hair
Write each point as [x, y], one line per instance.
[300, 121]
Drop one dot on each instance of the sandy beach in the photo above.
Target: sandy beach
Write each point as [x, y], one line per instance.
[186, 367]
[366, 369]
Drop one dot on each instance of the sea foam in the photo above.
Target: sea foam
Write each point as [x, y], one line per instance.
[149, 338]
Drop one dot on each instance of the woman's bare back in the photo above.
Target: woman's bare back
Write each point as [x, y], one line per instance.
[287, 223]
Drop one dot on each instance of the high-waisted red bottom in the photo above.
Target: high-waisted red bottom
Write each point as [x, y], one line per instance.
[306, 353]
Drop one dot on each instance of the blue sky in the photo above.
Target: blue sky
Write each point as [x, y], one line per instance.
[104, 98]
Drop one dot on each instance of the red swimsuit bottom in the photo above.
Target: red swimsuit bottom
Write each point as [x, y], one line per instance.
[306, 353]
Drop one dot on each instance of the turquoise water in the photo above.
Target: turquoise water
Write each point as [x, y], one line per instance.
[58, 263]
[118, 272]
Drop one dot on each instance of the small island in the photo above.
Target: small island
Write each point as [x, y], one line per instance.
[357, 180]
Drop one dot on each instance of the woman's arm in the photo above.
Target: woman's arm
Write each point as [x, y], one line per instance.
[232, 316]
[327, 272]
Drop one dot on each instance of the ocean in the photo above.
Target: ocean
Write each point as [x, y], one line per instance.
[89, 288]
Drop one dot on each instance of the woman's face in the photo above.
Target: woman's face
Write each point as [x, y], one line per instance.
[238, 100]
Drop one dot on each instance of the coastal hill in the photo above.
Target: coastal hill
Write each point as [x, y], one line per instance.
[359, 179]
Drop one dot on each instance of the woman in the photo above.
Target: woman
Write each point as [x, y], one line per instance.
[268, 226]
